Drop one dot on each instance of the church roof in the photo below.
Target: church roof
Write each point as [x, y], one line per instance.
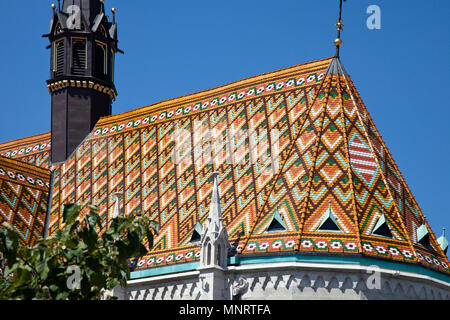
[33, 149]
[296, 146]
[24, 193]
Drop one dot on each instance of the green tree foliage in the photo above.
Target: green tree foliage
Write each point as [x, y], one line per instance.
[76, 263]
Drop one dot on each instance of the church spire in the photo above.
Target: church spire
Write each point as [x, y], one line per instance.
[215, 211]
[214, 247]
[214, 241]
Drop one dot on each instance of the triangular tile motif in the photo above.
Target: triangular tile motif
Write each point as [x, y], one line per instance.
[290, 141]
[275, 226]
[328, 222]
[409, 213]
[382, 228]
[423, 237]
[320, 154]
[329, 173]
[196, 234]
[368, 183]
[277, 223]
[365, 185]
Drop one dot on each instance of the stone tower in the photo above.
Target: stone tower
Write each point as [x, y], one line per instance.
[83, 45]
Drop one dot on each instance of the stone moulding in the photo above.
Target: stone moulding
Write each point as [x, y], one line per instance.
[61, 84]
[297, 280]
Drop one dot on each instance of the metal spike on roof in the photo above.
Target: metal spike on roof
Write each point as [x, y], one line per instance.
[336, 67]
[339, 27]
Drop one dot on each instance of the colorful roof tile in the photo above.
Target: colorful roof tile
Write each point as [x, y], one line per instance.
[33, 150]
[290, 146]
[24, 193]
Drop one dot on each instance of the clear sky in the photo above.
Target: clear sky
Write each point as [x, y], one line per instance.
[172, 48]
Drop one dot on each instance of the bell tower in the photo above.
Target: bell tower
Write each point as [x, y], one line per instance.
[83, 44]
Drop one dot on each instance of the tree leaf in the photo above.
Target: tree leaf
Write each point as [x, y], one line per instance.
[70, 212]
[103, 260]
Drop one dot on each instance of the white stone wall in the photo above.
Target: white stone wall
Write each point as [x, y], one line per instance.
[181, 286]
[295, 280]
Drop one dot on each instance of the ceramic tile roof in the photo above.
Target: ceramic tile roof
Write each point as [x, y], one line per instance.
[24, 193]
[33, 150]
[296, 145]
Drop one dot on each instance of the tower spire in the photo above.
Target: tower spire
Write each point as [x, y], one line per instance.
[339, 27]
[83, 45]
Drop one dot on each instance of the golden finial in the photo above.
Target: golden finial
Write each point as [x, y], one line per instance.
[339, 27]
[102, 1]
[53, 6]
[113, 10]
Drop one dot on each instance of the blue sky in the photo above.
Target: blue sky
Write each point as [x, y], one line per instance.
[177, 47]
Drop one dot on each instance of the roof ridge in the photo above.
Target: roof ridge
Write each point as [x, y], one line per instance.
[24, 164]
[353, 94]
[26, 140]
[349, 169]
[335, 72]
[402, 178]
[324, 104]
[196, 95]
[283, 163]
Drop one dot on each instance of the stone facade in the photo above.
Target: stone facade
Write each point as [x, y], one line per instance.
[294, 280]
[217, 279]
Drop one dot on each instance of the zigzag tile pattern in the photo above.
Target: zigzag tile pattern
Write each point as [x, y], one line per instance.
[297, 141]
[409, 216]
[143, 161]
[24, 198]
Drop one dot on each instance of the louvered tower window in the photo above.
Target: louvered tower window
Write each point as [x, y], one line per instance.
[111, 65]
[79, 57]
[101, 63]
[58, 58]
